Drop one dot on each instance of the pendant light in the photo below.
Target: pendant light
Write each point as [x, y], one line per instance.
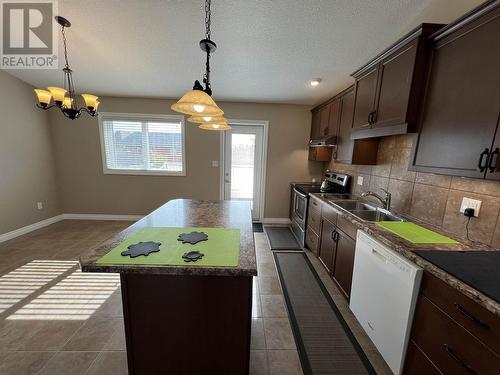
[198, 102]
[65, 98]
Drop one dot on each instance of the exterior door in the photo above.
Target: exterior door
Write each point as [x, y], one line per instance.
[243, 174]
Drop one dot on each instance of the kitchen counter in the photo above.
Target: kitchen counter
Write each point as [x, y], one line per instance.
[185, 213]
[407, 249]
[174, 314]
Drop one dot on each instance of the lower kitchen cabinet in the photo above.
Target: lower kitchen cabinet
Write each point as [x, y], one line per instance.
[439, 344]
[327, 244]
[312, 240]
[344, 262]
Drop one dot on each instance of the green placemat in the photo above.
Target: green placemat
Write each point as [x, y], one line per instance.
[221, 249]
[415, 233]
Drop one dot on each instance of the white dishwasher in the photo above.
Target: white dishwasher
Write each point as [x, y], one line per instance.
[383, 296]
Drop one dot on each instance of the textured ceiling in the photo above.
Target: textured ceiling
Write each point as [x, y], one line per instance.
[268, 49]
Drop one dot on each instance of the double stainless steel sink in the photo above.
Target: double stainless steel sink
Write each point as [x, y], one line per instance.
[360, 208]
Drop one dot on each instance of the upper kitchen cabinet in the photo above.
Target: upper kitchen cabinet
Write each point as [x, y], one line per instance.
[388, 90]
[325, 119]
[352, 151]
[462, 100]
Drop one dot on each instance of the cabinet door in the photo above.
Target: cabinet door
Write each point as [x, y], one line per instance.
[344, 262]
[334, 118]
[345, 144]
[324, 120]
[462, 101]
[366, 88]
[327, 245]
[315, 124]
[395, 80]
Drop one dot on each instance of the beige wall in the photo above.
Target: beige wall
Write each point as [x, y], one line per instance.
[85, 189]
[27, 170]
[432, 198]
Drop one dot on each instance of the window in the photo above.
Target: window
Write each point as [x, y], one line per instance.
[142, 144]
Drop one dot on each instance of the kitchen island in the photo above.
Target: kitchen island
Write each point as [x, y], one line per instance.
[186, 319]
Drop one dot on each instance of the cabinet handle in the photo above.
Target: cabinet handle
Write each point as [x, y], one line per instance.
[480, 165]
[374, 117]
[370, 117]
[335, 236]
[457, 359]
[492, 165]
[463, 311]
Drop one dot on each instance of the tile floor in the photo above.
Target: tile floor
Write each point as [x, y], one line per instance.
[56, 320]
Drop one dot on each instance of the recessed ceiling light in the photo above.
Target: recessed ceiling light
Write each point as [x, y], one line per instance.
[314, 82]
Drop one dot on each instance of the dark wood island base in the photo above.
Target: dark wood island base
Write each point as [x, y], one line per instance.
[187, 324]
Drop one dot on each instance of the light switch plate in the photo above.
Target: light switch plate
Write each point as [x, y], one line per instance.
[215, 164]
[471, 203]
[39, 205]
[360, 180]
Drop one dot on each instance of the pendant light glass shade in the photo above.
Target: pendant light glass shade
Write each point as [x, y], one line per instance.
[197, 103]
[68, 102]
[43, 96]
[206, 119]
[215, 126]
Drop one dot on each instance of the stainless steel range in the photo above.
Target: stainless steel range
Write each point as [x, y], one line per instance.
[332, 183]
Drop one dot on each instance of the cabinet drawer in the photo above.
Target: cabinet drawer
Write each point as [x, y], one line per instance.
[448, 345]
[329, 213]
[312, 240]
[315, 204]
[416, 362]
[347, 227]
[479, 321]
[314, 220]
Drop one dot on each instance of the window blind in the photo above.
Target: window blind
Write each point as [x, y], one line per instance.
[135, 144]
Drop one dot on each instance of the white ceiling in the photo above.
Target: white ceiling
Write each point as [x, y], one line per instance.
[267, 49]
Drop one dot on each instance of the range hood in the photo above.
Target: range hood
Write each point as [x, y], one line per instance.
[328, 141]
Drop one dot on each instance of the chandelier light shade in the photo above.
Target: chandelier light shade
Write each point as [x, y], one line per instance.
[206, 119]
[64, 98]
[198, 102]
[215, 126]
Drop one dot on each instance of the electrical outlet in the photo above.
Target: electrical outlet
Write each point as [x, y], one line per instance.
[215, 164]
[470, 203]
[39, 205]
[360, 180]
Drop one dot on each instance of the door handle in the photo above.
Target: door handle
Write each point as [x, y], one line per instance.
[457, 359]
[492, 164]
[227, 181]
[480, 165]
[463, 311]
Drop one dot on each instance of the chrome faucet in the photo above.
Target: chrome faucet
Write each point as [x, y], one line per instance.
[386, 202]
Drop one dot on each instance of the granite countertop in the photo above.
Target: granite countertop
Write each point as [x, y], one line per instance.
[186, 213]
[406, 249]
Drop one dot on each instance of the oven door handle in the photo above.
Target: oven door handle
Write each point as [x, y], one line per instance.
[299, 193]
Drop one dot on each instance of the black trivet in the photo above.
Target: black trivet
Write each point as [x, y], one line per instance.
[193, 237]
[192, 256]
[141, 248]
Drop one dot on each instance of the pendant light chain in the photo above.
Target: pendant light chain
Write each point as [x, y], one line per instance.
[63, 32]
[208, 20]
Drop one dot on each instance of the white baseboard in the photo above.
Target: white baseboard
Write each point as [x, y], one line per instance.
[29, 228]
[101, 217]
[276, 221]
[52, 220]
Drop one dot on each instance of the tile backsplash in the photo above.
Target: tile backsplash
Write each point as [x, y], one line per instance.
[432, 198]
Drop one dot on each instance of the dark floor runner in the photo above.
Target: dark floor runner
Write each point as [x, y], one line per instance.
[325, 343]
[282, 238]
[257, 227]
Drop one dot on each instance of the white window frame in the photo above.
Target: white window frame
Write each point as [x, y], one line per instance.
[140, 117]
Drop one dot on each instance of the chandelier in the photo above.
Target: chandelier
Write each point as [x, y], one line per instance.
[198, 102]
[65, 98]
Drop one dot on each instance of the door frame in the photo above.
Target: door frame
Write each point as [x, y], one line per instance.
[265, 125]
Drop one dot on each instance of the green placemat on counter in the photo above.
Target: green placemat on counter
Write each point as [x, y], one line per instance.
[221, 249]
[415, 233]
